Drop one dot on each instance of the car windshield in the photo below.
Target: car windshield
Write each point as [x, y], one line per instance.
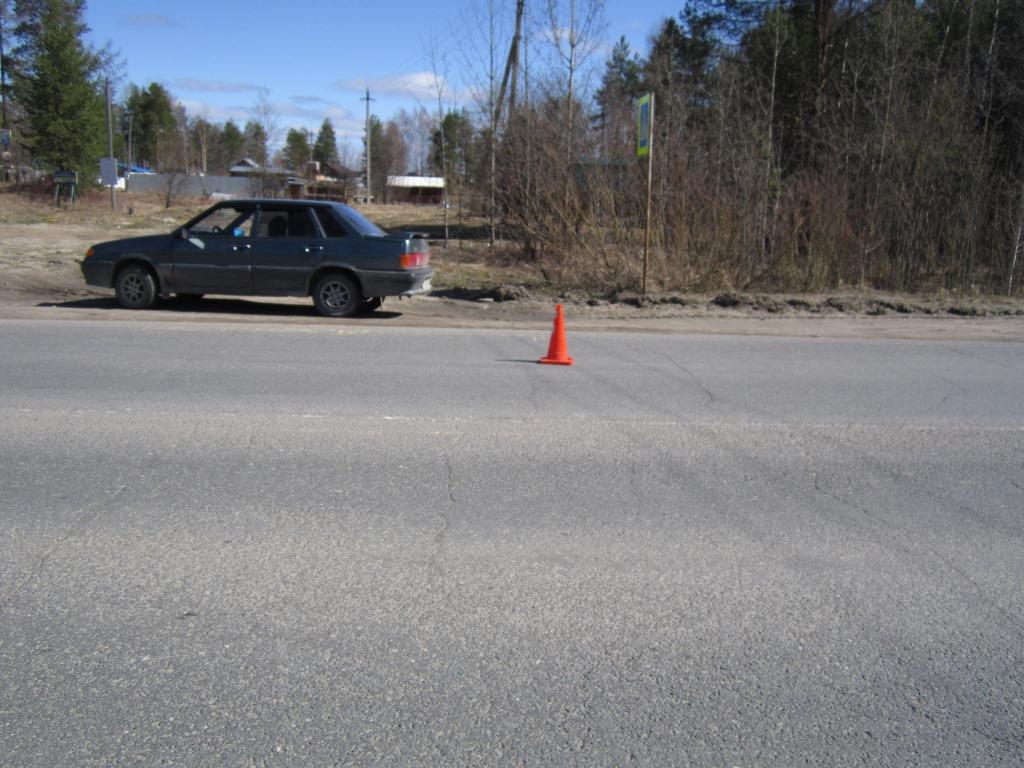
[358, 222]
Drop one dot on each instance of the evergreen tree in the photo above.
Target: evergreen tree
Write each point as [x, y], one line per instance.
[620, 87]
[256, 142]
[58, 86]
[325, 150]
[621, 77]
[153, 123]
[296, 149]
[232, 144]
[458, 139]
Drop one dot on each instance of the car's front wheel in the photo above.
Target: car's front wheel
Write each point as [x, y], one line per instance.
[337, 295]
[135, 287]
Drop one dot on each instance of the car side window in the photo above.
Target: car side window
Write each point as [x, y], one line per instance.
[331, 226]
[286, 222]
[228, 221]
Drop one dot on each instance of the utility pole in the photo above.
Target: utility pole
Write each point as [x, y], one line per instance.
[3, 75]
[645, 148]
[3, 94]
[494, 116]
[444, 157]
[650, 178]
[369, 189]
[110, 148]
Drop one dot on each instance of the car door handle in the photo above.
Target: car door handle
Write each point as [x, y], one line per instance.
[311, 248]
[237, 248]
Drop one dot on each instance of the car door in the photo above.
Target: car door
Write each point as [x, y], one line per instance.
[215, 256]
[287, 245]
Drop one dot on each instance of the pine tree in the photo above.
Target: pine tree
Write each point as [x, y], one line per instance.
[296, 149]
[325, 150]
[256, 142]
[58, 87]
[232, 143]
[153, 123]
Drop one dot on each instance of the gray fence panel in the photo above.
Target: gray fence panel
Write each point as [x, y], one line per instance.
[191, 186]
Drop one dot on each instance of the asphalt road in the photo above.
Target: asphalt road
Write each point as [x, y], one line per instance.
[318, 545]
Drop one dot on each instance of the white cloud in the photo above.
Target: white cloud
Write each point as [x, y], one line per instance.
[214, 113]
[417, 85]
[291, 108]
[287, 114]
[213, 86]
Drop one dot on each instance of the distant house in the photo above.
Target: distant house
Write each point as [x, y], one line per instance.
[249, 167]
[418, 190]
[327, 181]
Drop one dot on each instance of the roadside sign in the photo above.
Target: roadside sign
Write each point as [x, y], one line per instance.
[643, 126]
[108, 171]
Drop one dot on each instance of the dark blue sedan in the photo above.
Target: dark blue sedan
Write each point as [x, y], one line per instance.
[328, 251]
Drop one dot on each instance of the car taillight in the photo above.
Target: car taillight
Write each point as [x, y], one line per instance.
[413, 260]
[89, 253]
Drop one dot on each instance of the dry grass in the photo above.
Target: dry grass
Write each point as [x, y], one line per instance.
[40, 238]
[40, 246]
[468, 262]
[135, 211]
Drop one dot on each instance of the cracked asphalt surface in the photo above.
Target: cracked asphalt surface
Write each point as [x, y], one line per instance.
[343, 545]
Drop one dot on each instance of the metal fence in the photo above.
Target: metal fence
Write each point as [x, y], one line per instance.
[191, 186]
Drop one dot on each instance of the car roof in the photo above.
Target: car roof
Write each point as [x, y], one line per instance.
[288, 202]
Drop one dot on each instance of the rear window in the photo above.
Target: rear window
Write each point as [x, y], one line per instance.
[357, 221]
[331, 226]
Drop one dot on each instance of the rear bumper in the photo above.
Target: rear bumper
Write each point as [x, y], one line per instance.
[396, 283]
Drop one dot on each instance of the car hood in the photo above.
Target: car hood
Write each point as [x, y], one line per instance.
[144, 244]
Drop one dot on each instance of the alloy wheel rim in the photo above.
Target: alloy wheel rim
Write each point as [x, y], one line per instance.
[132, 288]
[334, 296]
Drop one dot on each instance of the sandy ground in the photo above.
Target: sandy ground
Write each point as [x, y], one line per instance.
[40, 278]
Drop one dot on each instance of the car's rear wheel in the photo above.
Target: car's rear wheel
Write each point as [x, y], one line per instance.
[135, 287]
[337, 295]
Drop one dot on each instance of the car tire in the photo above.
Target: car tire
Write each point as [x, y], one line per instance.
[337, 295]
[136, 288]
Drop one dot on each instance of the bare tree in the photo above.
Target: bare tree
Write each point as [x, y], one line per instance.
[201, 131]
[488, 29]
[438, 67]
[264, 114]
[416, 126]
[175, 152]
[576, 29]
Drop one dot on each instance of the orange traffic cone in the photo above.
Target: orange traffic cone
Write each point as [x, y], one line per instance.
[558, 354]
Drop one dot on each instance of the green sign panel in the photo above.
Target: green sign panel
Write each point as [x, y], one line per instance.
[643, 126]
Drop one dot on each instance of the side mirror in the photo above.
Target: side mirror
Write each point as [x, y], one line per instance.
[183, 234]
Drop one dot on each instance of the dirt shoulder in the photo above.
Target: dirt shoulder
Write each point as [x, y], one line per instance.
[53, 291]
[40, 279]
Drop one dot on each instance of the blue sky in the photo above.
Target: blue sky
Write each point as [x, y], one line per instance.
[316, 57]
